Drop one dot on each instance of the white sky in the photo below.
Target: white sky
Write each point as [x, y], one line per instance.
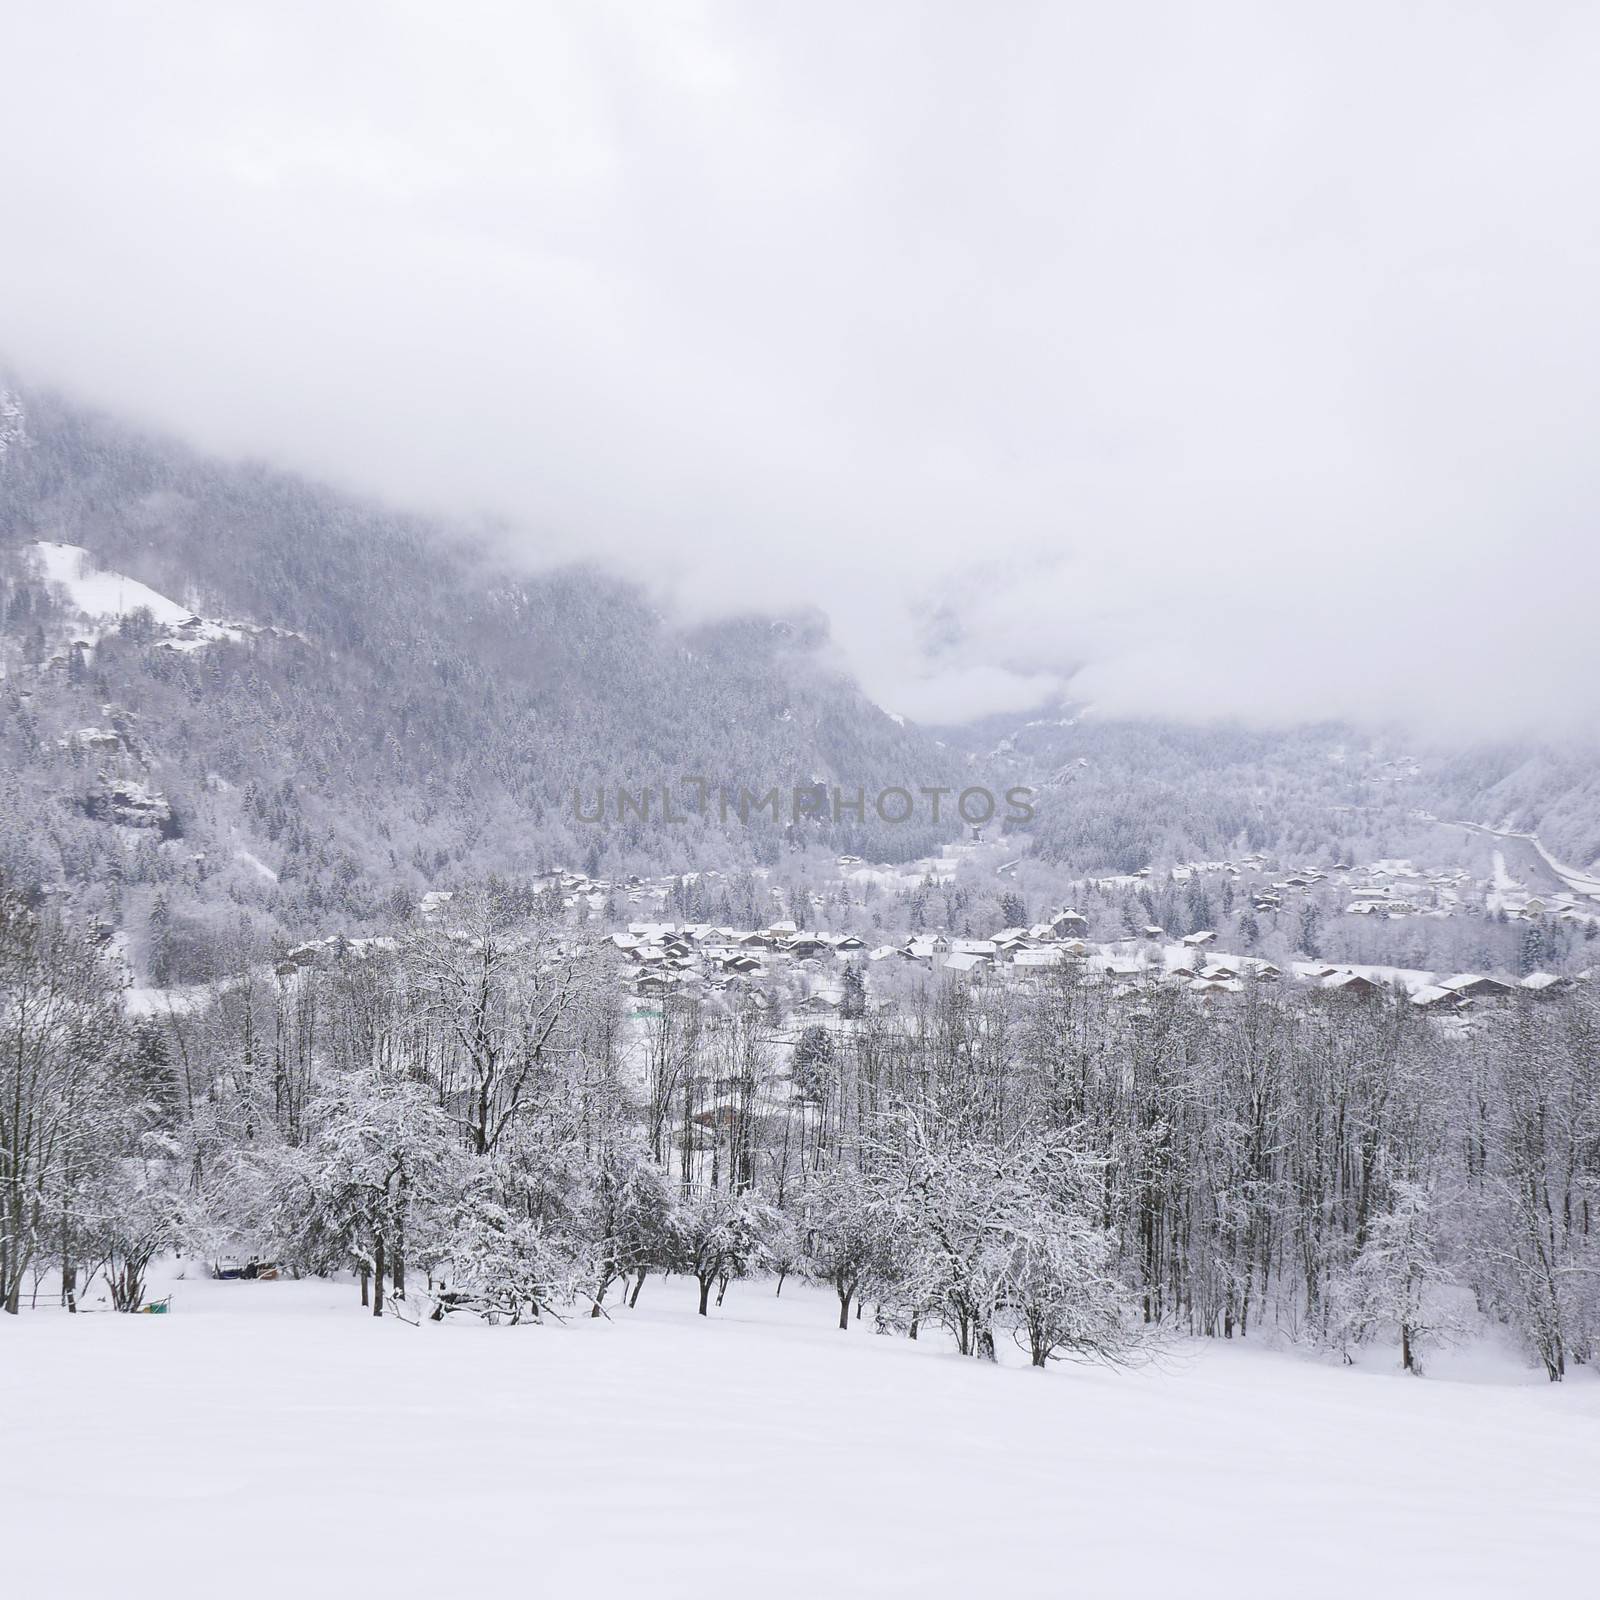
[1245, 357]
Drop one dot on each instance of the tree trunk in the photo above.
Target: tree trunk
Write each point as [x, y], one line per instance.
[633, 1299]
[705, 1295]
[377, 1277]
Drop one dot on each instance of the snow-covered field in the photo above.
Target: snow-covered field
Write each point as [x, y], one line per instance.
[267, 1439]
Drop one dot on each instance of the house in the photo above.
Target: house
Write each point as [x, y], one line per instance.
[1196, 940]
[964, 962]
[1034, 960]
[1470, 986]
[1352, 983]
[1432, 998]
[1546, 984]
[1068, 924]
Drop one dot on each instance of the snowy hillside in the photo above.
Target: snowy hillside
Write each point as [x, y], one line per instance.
[104, 597]
[102, 594]
[287, 1446]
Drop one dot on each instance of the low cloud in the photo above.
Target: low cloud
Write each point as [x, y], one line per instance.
[1231, 361]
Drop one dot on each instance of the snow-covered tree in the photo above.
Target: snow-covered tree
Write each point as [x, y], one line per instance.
[1397, 1280]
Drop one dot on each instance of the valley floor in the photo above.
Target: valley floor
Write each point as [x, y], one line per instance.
[269, 1439]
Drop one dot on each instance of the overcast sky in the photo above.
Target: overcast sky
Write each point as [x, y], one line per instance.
[1215, 359]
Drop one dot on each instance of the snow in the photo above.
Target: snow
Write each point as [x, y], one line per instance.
[147, 1000]
[269, 1439]
[102, 594]
[105, 596]
[256, 863]
[1583, 883]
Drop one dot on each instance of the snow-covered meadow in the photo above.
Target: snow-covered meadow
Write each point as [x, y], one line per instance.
[269, 1439]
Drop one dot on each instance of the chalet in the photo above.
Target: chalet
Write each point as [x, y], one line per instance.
[1210, 987]
[1068, 924]
[1545, 984]
[723, 1116]
[1470, 986]
[964, 963]
[1196, 940]
[1430, 997]
[1352, 983]
[1034, 960]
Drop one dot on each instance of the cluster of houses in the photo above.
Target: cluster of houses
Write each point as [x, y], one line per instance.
[1387, 888]
[661, 956]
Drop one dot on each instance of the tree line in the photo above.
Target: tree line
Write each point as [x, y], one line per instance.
[471, 1117]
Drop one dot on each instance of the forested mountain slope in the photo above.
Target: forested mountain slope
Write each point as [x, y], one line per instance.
[1118, 794]
[375, 705]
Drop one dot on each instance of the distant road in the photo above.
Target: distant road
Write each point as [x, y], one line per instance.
[1527, 861]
